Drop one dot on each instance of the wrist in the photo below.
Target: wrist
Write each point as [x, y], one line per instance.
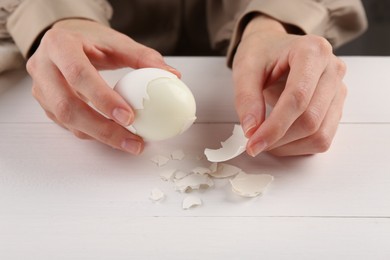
[263, 23]
[71, 23]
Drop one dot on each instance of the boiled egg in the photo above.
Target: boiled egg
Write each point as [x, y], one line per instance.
[164, 106]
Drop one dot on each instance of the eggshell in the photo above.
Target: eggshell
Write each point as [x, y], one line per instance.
[231, 148]
[164, 106]
[191, 201]
[250, 185]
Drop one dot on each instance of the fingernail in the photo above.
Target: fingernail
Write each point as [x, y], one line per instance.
[122, 116]
[248, 124]
[132, 146]
[257, 148]
[173, 70]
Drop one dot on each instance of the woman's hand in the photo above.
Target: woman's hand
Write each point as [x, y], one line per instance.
[300, 77]
[65, 76]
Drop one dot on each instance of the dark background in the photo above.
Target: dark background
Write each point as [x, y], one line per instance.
[376, 40]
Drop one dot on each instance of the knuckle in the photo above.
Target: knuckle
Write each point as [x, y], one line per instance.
[316, 45]
[340, 67]
[278, 131]
[31, 66]
[55, 36]
[150, 53]
[51, 34]
[311, 121]
[147, 55]
[300, 98]
[74, 73]
[63, 111]
[49, 37]
[321, 141]
[102, 99]
[243, 98]
[106, 132]
[80, 135]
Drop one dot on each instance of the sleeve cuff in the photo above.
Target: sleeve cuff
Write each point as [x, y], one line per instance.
[33, 17]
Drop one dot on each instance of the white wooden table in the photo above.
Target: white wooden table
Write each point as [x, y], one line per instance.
[64, 198]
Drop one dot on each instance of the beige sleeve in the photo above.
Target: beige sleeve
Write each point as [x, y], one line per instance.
[32, 17]
[222, 15]
[339, 21]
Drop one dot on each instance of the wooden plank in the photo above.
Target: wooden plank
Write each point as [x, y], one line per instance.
[46, 169]
[123, 237]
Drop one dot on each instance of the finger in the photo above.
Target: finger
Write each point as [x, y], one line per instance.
[85, 120]
[82, 97]
[306, 68]
[249, 101]
[81, 119]
[136, 55]
[310, 121]
[321, 140]
[77, 133]
[84, 78]
[39, 96]
[273, 91]
[81, 135]
[125, 52]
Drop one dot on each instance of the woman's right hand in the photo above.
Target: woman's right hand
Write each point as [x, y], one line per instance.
[65, 76]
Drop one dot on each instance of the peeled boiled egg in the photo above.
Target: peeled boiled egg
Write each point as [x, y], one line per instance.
[164, 106]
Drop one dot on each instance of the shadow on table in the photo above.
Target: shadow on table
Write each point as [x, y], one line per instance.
[11, 78]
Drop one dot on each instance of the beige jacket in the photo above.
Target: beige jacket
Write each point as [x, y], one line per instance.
[180, 26]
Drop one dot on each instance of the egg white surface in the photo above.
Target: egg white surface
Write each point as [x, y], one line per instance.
[164, 106]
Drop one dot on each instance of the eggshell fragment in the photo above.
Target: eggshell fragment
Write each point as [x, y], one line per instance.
[231, 148]
[177, 155]
[225, 170]
[156, 194]
[180, 175]
[201, 170]
[213, 167]
[164, 106]
[192, 182]
[191, 201]
[168, 174]
[160, 160]
[250, 185]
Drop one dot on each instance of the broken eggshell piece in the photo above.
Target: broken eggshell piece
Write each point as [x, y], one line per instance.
[167, 175]
[164, 106]
[156, 195]
[191, 201]
[177, 155]
[160, 160]
[193, 182]
[231, 148]
[250, 185]
[224, 170]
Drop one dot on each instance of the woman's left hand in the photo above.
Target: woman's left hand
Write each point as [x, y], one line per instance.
[300, 77]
